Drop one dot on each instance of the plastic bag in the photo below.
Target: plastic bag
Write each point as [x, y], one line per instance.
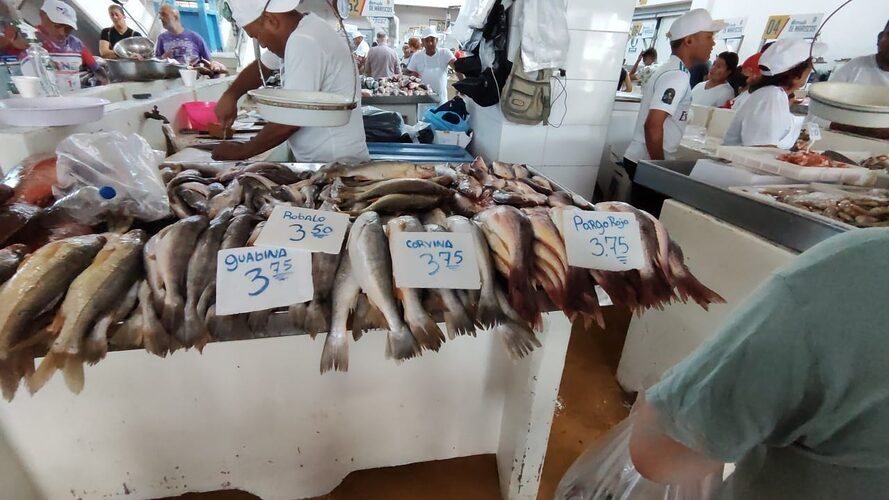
[110, 174]
[381, 125]
[605, 471]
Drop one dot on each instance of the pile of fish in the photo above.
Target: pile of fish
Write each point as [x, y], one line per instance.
[398, 85]
[153, 286]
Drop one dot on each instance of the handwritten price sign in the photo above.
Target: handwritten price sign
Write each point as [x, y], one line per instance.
[257, 278]
[435, 260]
[603, 240]
[304, 229]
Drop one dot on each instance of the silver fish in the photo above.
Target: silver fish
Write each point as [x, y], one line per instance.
[488, 310]
[372, 269]
[398, 203]
[457, 319]
[200, 274]
[173, 252]
[346, 289]
[10, 258]
[231, 197]
[392, 186]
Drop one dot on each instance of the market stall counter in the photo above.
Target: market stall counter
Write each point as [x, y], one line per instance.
[407, 106]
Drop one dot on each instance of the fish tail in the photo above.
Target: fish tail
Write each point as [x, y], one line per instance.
[257, 321]
[699, 292]
[459, 323]
[401, 345]
[51, 362]
[317, 317]
[519, 339]
[488, 310]
[9, 380]
[521, 296]
[335, 355]
[426, 332]
[73, 372]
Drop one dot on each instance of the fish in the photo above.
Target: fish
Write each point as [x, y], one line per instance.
[378, 171]
[231, 327]
[422, 326]
[397, 203]
[518, 338]
[559, 199]
[34, 180]
[435, 216]
[155, 337]
[41, 281]
[201, 273]
[6, 193]
[14, 217]
[372, 269]
[458, 320]
[581, 300]
[511, 236]
[392, 186]
[503, 170]
[366, 318]
[488, 311]
[276, 172]
[238, 232]
[10, 258]
[173, 251]
[126, 335]
[515, 199]
[95, 346]
[230, 197]
[324, 267]
[335, 355]
[254, 235]
[521, 171]
[687, 284]
[550, 257]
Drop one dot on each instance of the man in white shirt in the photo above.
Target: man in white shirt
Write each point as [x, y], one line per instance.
[666, 100]
[311, 57]
[431, 65]
[715, 90]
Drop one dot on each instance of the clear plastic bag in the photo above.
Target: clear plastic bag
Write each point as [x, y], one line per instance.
[110, 174]
[605, 471]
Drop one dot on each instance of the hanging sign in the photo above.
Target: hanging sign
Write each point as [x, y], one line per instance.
[304, 229]
[608, 241]
[258, 278]
[376, 8]
[734, 28]
[644, 29]
[796, 26]
[435, 260]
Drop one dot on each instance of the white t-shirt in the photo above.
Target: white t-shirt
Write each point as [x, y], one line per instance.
[863, 70]
[362, 49]
[668, 90]
[740, 100]
[644, 74]
[317, 59]
[714, 97]
[764, 120]
[433, 70]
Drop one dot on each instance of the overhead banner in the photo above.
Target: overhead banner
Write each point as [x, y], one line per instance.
[796, 26]
[375, 8]
[734, 28]
[644, 29]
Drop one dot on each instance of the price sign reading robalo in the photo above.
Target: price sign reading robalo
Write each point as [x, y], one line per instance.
[304, 229]
[606, 241]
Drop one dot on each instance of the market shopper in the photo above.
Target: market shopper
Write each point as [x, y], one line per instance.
[648, 58]
[361, 46]
[752, 74]
[311, 57]
[382, 61]
[792, 389]
[716, 90]
[431, 65]
[12, 43]
[117, 32]
[58, 21]
[663, 113]
[765, 119]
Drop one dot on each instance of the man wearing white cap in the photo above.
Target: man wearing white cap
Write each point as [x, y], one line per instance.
[311, 57]
[361, 46]
[765, 119]
[58, 21]
[431, 65]
[666, 99]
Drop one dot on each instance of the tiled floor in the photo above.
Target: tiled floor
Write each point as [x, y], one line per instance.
[591, 402]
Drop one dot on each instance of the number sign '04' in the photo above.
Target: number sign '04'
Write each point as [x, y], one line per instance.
[257, 278]
[304, 229]
[608, 241]
[435, 260]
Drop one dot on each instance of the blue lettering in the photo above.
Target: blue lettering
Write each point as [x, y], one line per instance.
[288, 215]
[233, 260]
[420, 244]
[611, 222]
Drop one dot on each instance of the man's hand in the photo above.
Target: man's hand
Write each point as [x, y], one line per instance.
[231, 151]
[227, 110]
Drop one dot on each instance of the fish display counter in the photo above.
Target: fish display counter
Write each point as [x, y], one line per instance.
[302, 322]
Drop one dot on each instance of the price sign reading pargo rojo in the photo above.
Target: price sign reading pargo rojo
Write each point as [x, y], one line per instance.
[607, 241]
[257, 278]
[435, 260]
[304, 229]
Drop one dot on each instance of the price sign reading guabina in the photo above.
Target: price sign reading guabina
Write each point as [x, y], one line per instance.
[258, 278]
[608, 241]
[304, 229]
[435, 260]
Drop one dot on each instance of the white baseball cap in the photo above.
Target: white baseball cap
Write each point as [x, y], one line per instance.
[245, 12]
[429, 33]
[694, 21]
[784, 55]
[60, 12]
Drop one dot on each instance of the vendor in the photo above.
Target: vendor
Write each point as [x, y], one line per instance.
[793, 389]
[58, 20]
[663, 114]
[716, 90]
[648, 58]
[432, 64]
[12, 43]
[750, 70]
[117, 32]
[872, 69]
[312, 57]
[360, 44]
[765, 119]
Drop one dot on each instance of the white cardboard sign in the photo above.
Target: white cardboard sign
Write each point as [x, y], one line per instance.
[608, 241]
[435, 260]
[257, 278]
[304, 229]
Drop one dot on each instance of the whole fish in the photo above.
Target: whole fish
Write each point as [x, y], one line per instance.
[275, 172]
[155, 337]
[510, 236]
[372, 269]
[231, 197]
[423, 327]
[550, 257]
[488, 310]
[346, 289]
[231, 327]
[173, 251]
[324, 267]
[121, 336]
[397, 203]
[457, 319]
[520, 200]
[392, 186]
[40, 282]
[518, 337]
[200, 274]
[378, 171]
[503, 170]
[153, 276]
[14, 217]
[10, 258]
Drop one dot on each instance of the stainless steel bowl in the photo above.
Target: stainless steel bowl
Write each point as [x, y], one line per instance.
[130, 70]
[134, 46]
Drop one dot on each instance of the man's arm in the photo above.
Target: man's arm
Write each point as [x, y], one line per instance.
[105, 50]
[248, 79]
[452, 63]
[271, 136]
[654, 133]
[635, 67]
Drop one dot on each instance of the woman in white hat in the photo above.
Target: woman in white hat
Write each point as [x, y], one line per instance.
[431, 65]
[765, 119]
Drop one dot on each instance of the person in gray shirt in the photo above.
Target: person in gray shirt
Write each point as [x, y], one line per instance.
[381, 61]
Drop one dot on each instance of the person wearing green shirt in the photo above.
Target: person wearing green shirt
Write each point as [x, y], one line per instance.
[794, 389]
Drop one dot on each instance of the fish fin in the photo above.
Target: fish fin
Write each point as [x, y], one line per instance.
[335, 355]
[297, 315]
[44, 372]
[459, 323]
[258, 321]
[171, 314]
[317, 317]
[73, 372]
[95, 345]
[57, 322]
[401, 345]
[9, 379]
[366, 317]
[426, 332]
[519, 339]
[699, 292]
[489, 312]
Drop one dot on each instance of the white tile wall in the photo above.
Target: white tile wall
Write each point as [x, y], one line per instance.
[522, 143]
[574, 145]
[595, 55]
[600, 15]
[585, 102]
